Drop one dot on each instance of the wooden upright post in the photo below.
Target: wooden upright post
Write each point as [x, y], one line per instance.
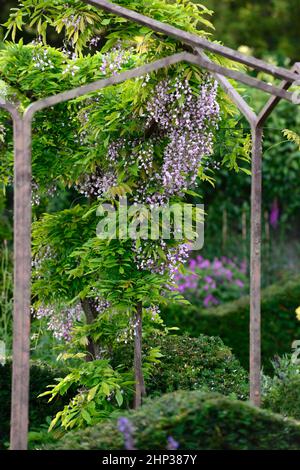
[255, 261]
[22, 271]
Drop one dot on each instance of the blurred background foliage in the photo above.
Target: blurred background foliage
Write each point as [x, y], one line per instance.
[265, 26]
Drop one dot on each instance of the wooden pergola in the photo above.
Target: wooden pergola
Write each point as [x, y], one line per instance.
[22, 188]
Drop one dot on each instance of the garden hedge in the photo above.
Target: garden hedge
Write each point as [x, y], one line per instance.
[41, 375]
[230, 321]
[189, 364]
[196, 420]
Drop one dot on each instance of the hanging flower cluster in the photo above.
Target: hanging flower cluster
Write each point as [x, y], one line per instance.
[36, 193]
[146, 257]
[99, 304]
[41, 59]
[97, 184]
[178, 137]
[60, 321]
[114, 60]
[188, 120]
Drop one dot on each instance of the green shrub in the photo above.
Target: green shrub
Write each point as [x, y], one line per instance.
[231, 321]
[41, 375]
[190, 363]
[284, 398]
[196, 420]
[281, 393]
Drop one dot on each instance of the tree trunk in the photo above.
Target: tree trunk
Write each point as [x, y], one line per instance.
[140, 390]
[92, 347]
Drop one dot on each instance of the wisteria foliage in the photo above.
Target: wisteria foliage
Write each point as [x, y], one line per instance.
[148, 139]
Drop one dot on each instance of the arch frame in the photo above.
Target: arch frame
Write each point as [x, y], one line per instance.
[22, 189]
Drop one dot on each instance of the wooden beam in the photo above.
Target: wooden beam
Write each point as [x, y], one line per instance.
[240, 77]
[11, 109]
[275, 100]
[103, 83]
[193, 40]
[233, 94]
[157, 65]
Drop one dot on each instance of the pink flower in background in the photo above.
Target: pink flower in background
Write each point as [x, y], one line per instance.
[210, 300]
[210, 282]
[239, 283]
[274, 214]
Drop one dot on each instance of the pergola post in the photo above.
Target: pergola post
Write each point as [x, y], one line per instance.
[22, 276]
[255, 266]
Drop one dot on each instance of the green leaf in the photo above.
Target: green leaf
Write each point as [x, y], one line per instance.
[105, 388]
[92, 393]
[86, 416]
[119, 398]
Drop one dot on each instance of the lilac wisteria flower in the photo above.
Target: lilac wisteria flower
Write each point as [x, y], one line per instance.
[188, 120]
[37, 194]
[97, 184]
[179, 124]
[60, 320]
[114, 60]
[94, 42]
[172, 444]
[146, 257]
[126, 428]
[73, 21]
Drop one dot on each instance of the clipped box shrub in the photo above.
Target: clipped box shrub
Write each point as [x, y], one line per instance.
[191, 363]
[230, 321]
[196, 420]
[41, 375]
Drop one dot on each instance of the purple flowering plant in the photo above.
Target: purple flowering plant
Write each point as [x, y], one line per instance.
[209, 283]
[127, 430]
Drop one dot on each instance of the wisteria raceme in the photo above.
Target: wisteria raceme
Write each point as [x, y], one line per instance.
[188, 121]
[140, 152]
[36, 193]
[73, 21]
[146, 258]
[40, 56]
[94, 41]
[154, 310]
[68, 50]
[100, 305]
[61, 321]
[114, 60]
[126, 428]
[97, 185]
[175, 139]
